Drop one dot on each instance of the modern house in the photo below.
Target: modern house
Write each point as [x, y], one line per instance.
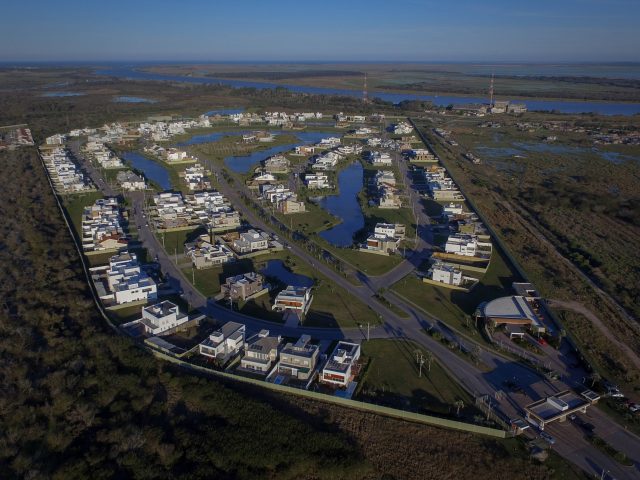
[293, 298]
[225, 343]
[276, 164]
[393, 230]
[290, 206]
[206, 255]
[298, 360]
[467, 246]
[380, 158]
[317, 181]
[260, 353]
[443, 273]
[127, 282]
[243, 286]
[162, 318]
[101, 226]
[251, 241]
[130, 181]
[422, 155]
[339, 369]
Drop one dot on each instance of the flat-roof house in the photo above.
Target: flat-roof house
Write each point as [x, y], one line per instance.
[243, 286]
[276, 164]
[127, 281]
[204, 254]
[224, 343]
[467, 245]
[290, 206]
[130, 181]
[298, 360]
[339, 369]
[448, 274]
[393, 230]
[162, 317]
[293, 298]
[260, 353]
[251, 241]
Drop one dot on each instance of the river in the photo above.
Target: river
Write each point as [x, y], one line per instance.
[563, 106]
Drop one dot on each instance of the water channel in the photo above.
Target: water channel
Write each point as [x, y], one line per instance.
[151, 169]
[277, 269]
[345, 206]
[244, 163]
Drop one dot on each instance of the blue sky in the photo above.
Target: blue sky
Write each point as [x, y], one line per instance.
[346, 30]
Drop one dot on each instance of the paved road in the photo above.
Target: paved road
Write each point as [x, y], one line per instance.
[472, 377]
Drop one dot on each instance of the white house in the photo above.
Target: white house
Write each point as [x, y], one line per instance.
[339, 369]
[293, 298]
[225, 342]
[130, 181]
[443, 273]
[392, 230]
[466, 245]
[127, 282]
[162, 317]
[317, 181]
[380, 158]
[251, 241]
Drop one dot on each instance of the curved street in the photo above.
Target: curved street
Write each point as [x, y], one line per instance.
[484, 378]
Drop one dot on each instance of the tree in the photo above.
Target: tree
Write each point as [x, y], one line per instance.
[459, 404]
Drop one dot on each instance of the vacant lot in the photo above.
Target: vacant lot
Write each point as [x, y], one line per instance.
[392, 378]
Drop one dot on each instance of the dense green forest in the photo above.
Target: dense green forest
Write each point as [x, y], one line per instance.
[78, 401]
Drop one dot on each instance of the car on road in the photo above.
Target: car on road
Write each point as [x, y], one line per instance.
[579, 422]
[547, 438]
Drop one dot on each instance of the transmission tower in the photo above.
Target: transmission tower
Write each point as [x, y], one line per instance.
[365, 96]
[491, 92]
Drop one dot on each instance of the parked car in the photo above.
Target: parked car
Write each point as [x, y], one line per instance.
[547, 438]
[542, 341]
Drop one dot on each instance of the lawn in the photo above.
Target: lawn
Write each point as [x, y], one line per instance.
[455, 307]
[208, 281]
[369, 263]
[74, 205]
[392, 378]
[332, 306]
[173, 242]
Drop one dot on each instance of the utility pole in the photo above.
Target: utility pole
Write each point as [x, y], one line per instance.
[420, 365]
[368, 331]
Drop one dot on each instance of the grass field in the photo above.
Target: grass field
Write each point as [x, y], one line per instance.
[208, 281]
[392, 377]
[560, 200]
[455, 307]
[74, 204]
[331, 307]
[369, 263]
